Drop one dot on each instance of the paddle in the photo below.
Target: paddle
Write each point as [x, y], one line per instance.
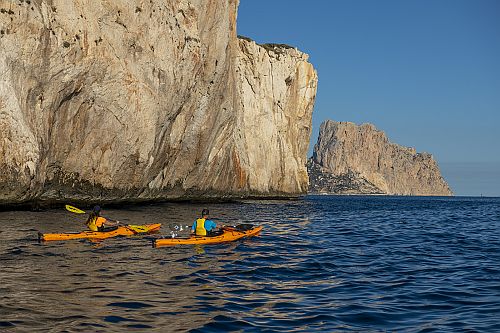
[75, 210]
[136, 228]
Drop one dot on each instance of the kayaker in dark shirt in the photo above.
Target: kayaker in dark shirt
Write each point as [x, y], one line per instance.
[96, 222]
[203, 226]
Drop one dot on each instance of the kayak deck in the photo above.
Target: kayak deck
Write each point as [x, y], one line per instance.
[123, 230]
[229, 235]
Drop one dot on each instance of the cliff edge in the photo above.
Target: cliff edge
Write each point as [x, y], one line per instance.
[133, 100]
[352, 159]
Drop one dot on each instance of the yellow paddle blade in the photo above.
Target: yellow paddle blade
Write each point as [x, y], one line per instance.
[137, 228]
[74, 209]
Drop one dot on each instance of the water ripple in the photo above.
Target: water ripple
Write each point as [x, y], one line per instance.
[321, 264]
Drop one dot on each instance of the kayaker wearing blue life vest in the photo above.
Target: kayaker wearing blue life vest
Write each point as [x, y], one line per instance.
[96, 222]
[204, 226]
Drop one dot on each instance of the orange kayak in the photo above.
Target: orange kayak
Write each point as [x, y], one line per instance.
[229, 234]
[122, 230]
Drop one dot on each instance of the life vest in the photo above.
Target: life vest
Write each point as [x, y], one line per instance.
[200, 228]
[95, 223]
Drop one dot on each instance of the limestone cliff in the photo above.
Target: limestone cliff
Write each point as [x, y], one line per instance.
[351, 159]
[137, 100]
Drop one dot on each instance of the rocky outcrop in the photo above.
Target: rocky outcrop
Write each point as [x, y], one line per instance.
[135, 100]
[351, 159]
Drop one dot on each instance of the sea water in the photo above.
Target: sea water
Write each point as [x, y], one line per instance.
[321, 263]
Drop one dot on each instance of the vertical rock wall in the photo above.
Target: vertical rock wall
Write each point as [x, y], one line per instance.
[138, 100]
[277, 88]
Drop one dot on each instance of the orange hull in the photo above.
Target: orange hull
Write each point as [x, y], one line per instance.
[229, 235]
[123, 230]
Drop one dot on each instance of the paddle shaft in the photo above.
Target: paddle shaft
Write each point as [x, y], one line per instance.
[135, 228]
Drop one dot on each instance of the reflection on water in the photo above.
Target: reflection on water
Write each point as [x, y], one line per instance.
[320, 264]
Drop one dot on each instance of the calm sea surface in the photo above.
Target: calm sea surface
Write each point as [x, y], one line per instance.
[324, 263]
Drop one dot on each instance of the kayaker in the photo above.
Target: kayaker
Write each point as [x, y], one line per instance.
[203, 226]
[96, 222]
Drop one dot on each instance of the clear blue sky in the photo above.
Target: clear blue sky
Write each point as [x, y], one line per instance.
[427, 72]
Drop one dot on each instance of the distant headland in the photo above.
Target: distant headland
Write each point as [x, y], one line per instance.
[352, 159]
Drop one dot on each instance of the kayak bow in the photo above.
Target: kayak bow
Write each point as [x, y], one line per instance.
[122, 230]
[229, 234]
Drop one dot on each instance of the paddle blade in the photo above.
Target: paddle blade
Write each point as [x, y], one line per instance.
[137, 228]
[74, 209]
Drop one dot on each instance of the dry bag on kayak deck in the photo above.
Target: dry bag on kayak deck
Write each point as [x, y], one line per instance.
[244, 227]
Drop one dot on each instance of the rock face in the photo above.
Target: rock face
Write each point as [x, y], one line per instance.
[137, 100]
[351, 159]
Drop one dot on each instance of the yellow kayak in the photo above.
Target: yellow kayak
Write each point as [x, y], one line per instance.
[122, 230]
[229, 234]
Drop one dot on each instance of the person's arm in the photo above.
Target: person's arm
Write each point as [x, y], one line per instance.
[193, 228]
[213, 225]
[112, 222]
[116, 222]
